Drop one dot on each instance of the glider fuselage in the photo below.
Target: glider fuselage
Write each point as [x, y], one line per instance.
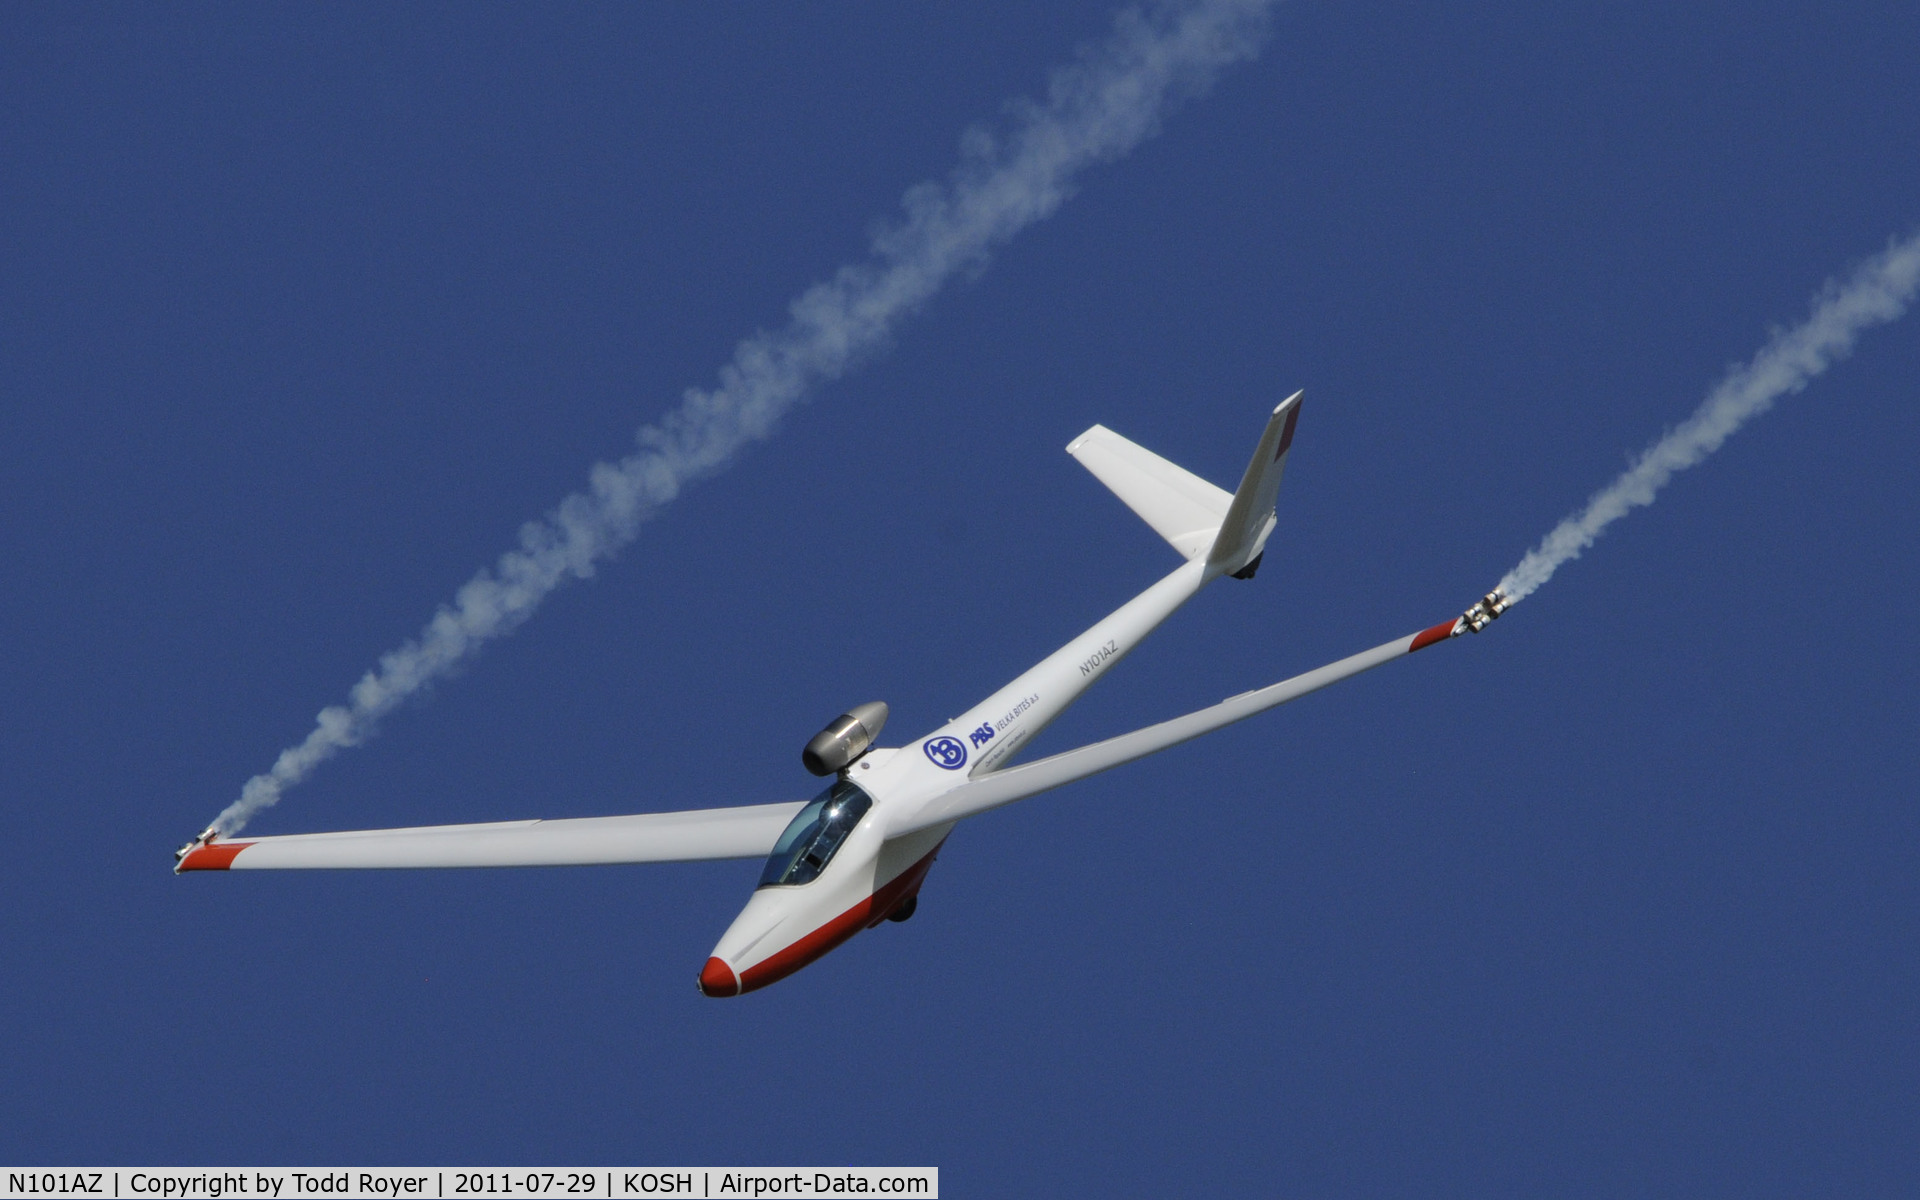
[874, 871]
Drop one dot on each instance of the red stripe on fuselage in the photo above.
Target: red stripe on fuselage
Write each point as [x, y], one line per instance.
[864, 915]
[1427, 637]
[214, 856]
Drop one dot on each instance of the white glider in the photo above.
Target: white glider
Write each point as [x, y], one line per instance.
[856, 854]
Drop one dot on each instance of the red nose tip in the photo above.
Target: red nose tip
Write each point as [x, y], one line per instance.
[717, 979]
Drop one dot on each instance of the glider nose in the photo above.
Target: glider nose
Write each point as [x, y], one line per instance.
[718, 979]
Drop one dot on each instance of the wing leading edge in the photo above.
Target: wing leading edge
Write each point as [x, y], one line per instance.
[694, 835]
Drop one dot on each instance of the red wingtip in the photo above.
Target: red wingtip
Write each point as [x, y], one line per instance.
[1427, 637]
[718, 979]
[213, 856]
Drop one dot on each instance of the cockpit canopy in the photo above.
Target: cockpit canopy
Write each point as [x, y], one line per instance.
[814, 835]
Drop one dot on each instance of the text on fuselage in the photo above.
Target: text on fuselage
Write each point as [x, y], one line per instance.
[1099, 657]
[1000, 726]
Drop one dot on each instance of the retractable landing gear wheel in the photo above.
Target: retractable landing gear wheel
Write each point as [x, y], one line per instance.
[905, 908]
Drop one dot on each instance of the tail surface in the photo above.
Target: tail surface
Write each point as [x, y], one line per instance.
[1199, 520]
[1182, 507]
[1243, 534]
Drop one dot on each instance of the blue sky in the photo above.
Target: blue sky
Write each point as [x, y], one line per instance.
[304, 310]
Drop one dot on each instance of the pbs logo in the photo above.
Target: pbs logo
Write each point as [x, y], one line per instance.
[945, 752]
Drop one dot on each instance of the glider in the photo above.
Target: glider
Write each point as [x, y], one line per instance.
[856, 854]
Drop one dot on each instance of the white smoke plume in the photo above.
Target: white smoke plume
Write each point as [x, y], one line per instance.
[1876, 293]
[1105, 104]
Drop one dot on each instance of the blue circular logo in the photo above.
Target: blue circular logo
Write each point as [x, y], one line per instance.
[946, 752]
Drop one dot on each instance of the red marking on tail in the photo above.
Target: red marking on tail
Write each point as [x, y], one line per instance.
[1427, 637]
[1286, 435]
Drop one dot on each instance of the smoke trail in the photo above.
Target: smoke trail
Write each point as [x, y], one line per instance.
[1096, 110]
[1877, 293]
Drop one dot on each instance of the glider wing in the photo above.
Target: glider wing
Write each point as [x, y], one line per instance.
[1017, 783]
[707, 833]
